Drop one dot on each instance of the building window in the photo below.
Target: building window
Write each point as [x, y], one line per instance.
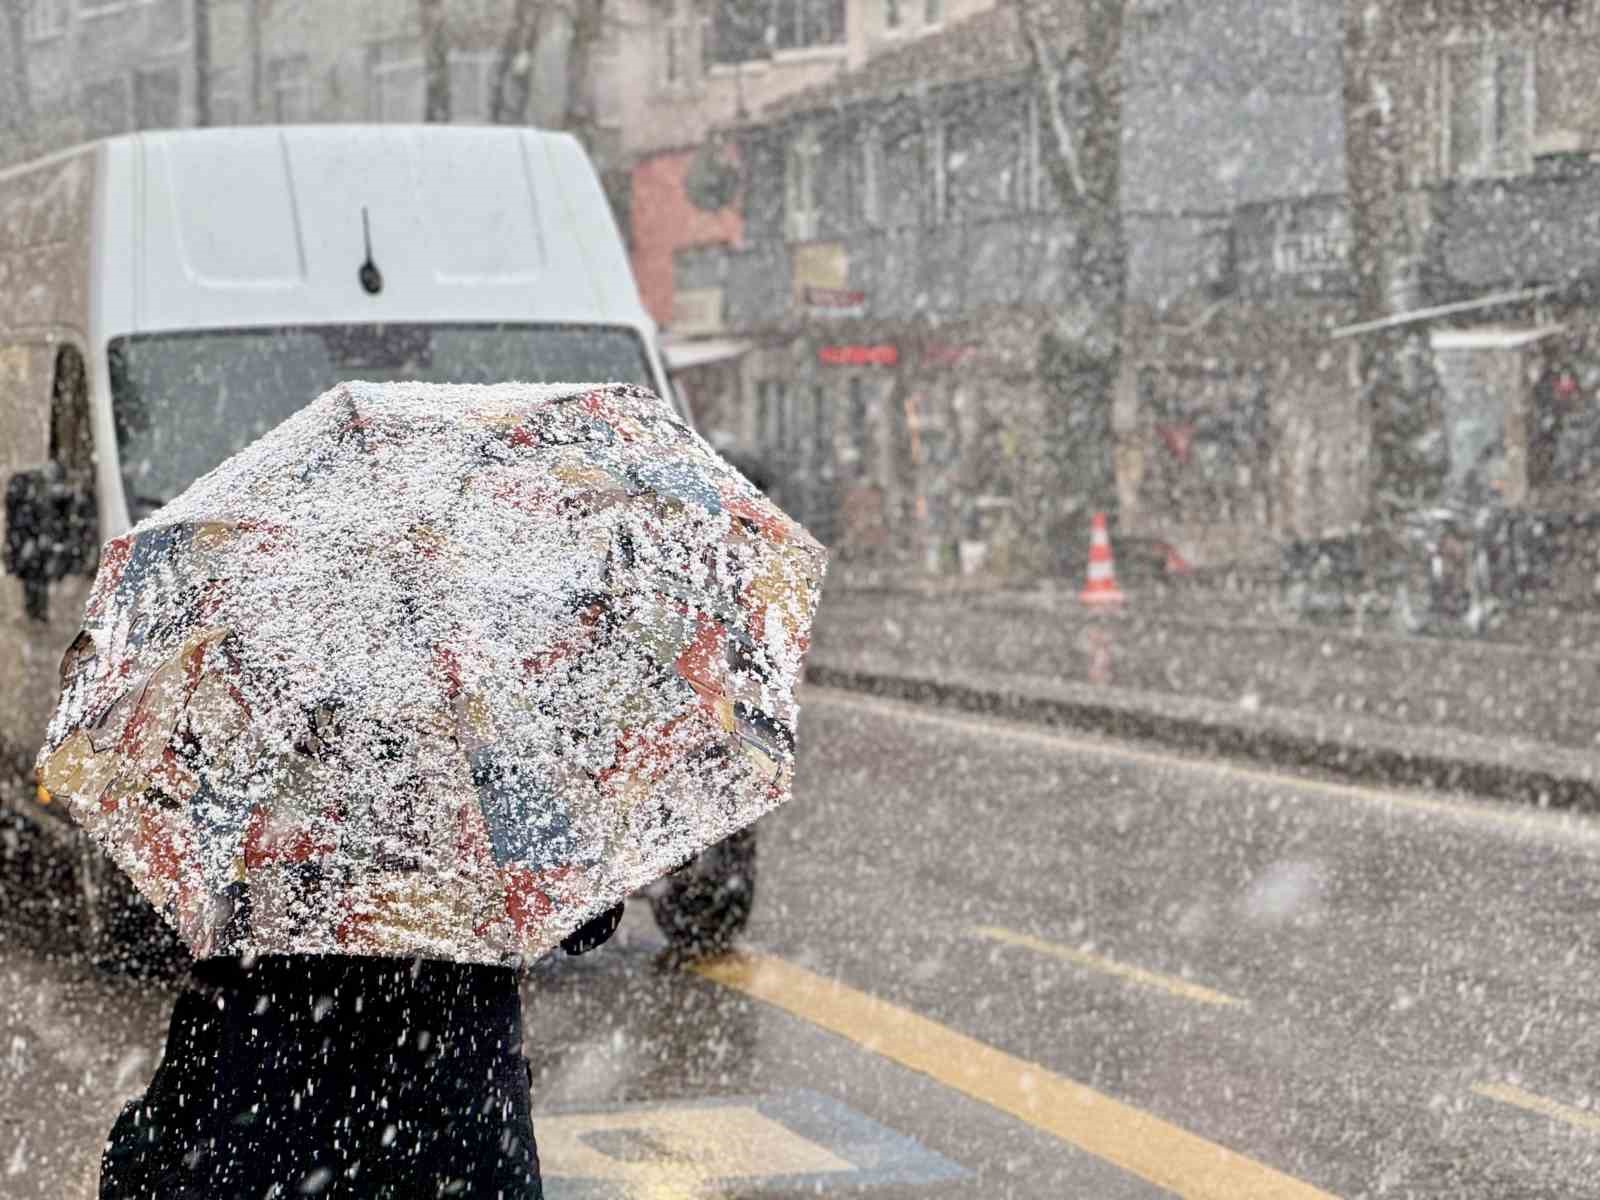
[1489, 109]
[802, 23]
[93, 8]
[800, 187]
[822, 434]
[681, 50]
[157, 99]
[856, 452]
[748, 30]
[871, 166]
[892, 18]
[104, 108]
[903, 182]
[227, 107]
[288, 91]
[932, 12]
[987, 165]
[46, 19]
[396, 81]
[772, 420]
[471, 76]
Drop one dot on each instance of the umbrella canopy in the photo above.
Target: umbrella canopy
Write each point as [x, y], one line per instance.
[437, 671]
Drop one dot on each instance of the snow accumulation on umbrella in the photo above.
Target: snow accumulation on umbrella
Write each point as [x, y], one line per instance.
[436, 670]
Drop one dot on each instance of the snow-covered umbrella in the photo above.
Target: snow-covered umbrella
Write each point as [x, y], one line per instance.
[437, 671]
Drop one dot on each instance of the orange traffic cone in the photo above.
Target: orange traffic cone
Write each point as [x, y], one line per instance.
[1101, 589]
[1177, 564]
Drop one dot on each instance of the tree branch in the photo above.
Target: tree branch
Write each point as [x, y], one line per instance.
[1066, 163]
[513, 74]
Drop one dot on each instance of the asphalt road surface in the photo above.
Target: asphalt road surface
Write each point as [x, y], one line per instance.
[992, 960]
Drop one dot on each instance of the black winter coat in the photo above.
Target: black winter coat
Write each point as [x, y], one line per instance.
[339, 1077]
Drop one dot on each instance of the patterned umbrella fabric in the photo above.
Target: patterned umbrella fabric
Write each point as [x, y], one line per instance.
[436, 671]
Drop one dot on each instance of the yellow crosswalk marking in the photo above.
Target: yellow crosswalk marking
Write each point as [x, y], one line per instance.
[1171, 984]
[1128, 1137]
[1507, 1093]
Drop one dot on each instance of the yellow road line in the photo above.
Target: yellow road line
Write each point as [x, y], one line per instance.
[1127, 1137]
[1507, 1093]
[1569, 827]
[1171, 984]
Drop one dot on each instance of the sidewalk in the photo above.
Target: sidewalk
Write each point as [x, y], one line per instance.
[1515, 715]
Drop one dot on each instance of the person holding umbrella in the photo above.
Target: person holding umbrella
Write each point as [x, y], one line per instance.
[411, 691]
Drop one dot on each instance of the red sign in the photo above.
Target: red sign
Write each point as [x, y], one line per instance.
[858, 356]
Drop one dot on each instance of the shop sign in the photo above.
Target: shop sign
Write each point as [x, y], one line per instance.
[879, 355]
[834, 302]
[821, 272]
[1311, 253]
[697, 310]
[1293, 247]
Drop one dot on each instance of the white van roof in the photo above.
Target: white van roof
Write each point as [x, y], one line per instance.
[264, 226]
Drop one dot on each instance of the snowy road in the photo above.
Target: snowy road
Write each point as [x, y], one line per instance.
[1000, 961]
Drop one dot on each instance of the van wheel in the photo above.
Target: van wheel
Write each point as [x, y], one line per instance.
[119, 930]
[701, 908]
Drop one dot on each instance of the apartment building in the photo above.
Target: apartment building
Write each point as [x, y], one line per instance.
[100, 67]
[1237, 423]
[1474, 154]
[906, 302]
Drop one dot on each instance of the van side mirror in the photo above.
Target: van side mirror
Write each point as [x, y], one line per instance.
[51, 532]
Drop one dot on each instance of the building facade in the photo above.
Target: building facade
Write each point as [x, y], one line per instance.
[1476, 167]
[94, 68]
[925, 356]
[1237, 426]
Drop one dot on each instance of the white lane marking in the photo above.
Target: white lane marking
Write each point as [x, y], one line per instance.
[1507, 1093]
[1171, 984]
[1572, 830]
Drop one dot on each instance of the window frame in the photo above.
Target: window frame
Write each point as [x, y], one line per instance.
[145, 78]
[1497, 159]
[802, 156]
[868, 205]
[783, 19]
[481, 60]
[279, 86]
[34, 26]
[407, 57]
[684, 41]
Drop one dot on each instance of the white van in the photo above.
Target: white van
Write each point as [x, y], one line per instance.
[165, 298]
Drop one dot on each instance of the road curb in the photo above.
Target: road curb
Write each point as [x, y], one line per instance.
[1522, 773]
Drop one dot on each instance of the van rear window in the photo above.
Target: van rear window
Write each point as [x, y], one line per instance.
[183, 402]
